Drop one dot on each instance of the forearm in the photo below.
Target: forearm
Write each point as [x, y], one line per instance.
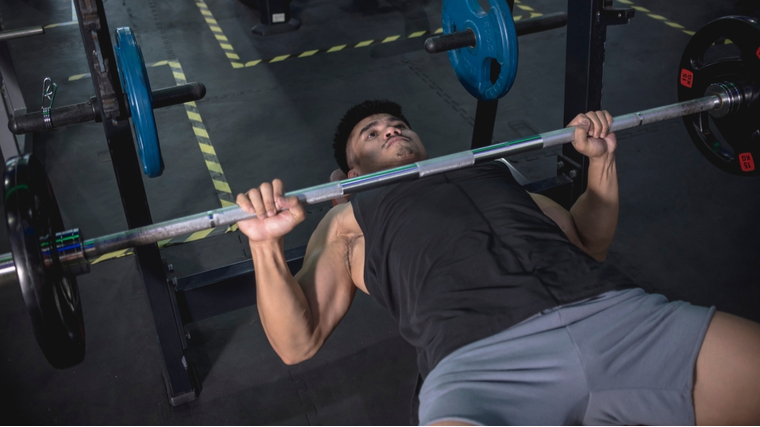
[283, 308]
[595, 213]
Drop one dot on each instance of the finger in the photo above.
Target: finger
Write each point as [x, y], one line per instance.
[580, 118]
[277, 191]
[596, 128]
[267, 196]
[609, 118]
[258, 205]
[244, 203]
[603, 123]
[581, 135]
[293, 206]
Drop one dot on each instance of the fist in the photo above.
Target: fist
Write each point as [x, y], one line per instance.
[592, 134]
[276, 215]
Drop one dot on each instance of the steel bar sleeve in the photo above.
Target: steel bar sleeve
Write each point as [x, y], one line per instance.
[21, 32]
[87, 111]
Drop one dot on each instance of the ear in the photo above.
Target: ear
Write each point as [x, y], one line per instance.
[353, 173]
[337, 175]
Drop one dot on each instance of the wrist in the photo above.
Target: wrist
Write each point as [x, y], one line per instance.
[607, 157]
[267, 245]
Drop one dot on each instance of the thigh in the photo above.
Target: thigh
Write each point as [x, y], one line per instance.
[639, 357]
[529, 380]
[727, 378]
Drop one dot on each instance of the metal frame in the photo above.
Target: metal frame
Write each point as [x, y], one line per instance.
[178, 374]
[11, 105]
[587, 22]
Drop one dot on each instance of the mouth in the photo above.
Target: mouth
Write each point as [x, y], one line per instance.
[393, 141]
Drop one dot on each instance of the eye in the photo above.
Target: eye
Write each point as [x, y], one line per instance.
[371, 134]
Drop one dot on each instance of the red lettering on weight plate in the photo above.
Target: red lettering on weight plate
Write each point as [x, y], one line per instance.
[687, 78]
[758, 52]
[747, 162]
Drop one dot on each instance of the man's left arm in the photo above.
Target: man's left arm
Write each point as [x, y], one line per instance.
[591, 222]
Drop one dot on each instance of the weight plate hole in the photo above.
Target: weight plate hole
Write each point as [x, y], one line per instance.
[719, 145]
[723, 48]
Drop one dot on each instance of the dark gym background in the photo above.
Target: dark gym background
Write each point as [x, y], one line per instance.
[686, 229]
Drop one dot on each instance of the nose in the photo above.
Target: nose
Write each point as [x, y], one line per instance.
[391, 131]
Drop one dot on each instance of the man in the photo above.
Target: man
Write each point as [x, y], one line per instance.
[504, 294]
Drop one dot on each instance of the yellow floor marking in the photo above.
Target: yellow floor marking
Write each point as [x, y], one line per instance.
[198, 235]
[203, 133]
[280, 58]
[391, 39]
[336, 48]
[215, 167]
[222, 186]
[364, 43]
[308, 53]
[208, 149]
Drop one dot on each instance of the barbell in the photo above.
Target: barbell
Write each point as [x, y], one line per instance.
[45, 258]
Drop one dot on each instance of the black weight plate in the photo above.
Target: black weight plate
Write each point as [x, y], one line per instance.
[732, 143]
[51, 296]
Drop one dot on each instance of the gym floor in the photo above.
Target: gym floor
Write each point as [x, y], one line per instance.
[687, 229]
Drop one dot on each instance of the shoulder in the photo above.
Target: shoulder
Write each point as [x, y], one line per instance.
[338, 224]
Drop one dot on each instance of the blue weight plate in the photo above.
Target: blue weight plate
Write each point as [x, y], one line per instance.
[732, 143]
[496, 39]
[50, 294]
[134, 81]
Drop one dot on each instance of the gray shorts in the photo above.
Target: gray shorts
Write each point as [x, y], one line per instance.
[623, 357]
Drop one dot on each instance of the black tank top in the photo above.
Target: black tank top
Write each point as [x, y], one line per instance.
[463, 255]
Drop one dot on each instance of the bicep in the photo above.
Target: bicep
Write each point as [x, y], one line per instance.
[325, 278]
[561, 217]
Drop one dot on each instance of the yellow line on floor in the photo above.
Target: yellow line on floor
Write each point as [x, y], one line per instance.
[213, 25]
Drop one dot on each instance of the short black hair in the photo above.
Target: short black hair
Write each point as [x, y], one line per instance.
[352, 117]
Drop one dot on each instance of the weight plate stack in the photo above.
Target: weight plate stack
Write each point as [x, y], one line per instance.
[51, 296]
[732, 143]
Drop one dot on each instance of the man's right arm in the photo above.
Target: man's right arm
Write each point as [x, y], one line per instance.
[297, 313]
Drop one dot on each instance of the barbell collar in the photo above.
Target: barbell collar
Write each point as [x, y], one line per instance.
[90, 111]
[466, 38]
[325, 192]
[731, 98]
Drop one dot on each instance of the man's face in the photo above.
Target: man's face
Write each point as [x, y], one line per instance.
[380, 142]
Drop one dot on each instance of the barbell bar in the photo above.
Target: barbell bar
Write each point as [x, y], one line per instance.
[466, 38]
[74, 252]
